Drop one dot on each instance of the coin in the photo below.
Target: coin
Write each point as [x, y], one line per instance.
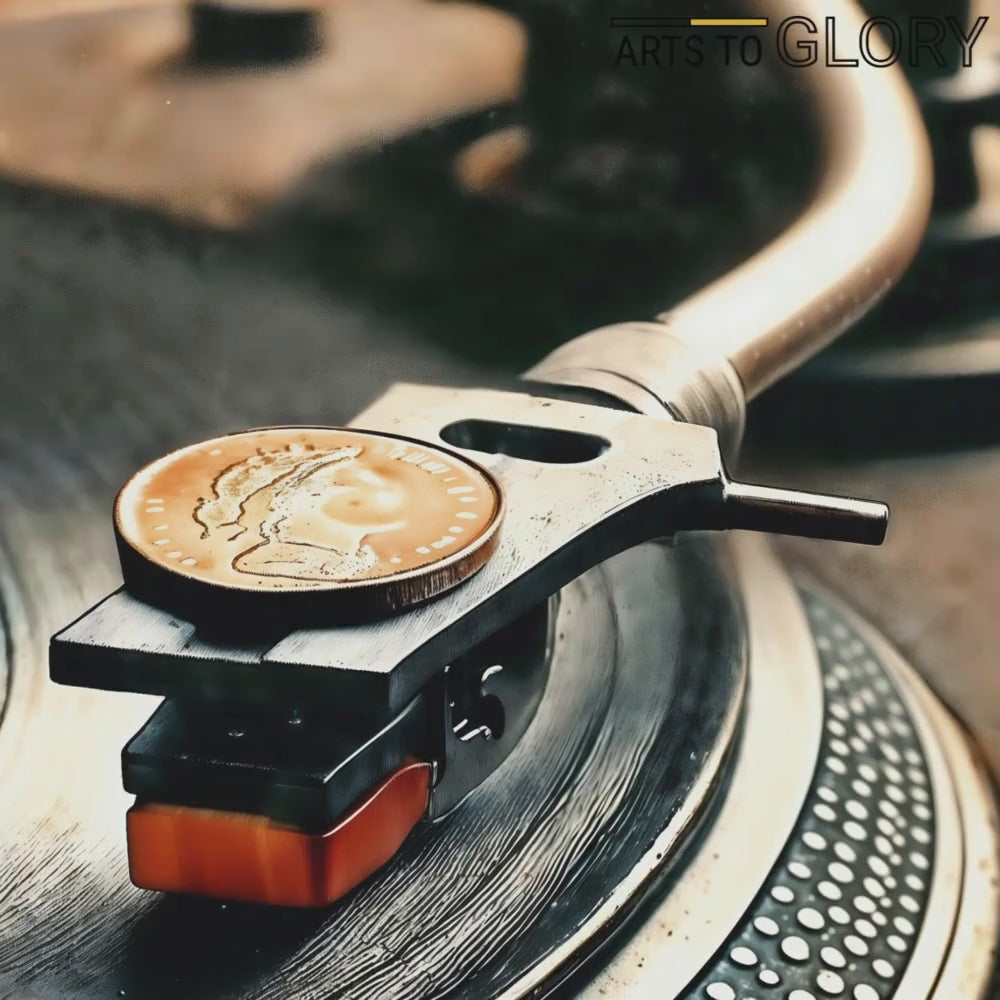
[309, 511]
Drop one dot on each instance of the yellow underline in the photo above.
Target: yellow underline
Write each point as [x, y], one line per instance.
[728, 22]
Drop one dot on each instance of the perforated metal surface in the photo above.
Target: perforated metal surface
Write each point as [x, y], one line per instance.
[840, 912]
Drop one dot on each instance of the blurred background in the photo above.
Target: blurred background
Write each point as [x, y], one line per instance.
[203, 204]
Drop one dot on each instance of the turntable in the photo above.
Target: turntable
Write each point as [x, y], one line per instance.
[594, 747]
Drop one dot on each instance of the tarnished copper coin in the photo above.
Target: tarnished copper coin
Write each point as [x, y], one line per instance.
[307, 510]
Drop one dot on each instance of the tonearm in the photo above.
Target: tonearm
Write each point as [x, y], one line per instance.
[307, 729]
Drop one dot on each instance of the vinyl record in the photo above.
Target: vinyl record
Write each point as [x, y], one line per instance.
[134, 351]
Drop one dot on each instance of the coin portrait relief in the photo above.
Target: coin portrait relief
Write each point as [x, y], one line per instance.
[304, 514]
[301, 508]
